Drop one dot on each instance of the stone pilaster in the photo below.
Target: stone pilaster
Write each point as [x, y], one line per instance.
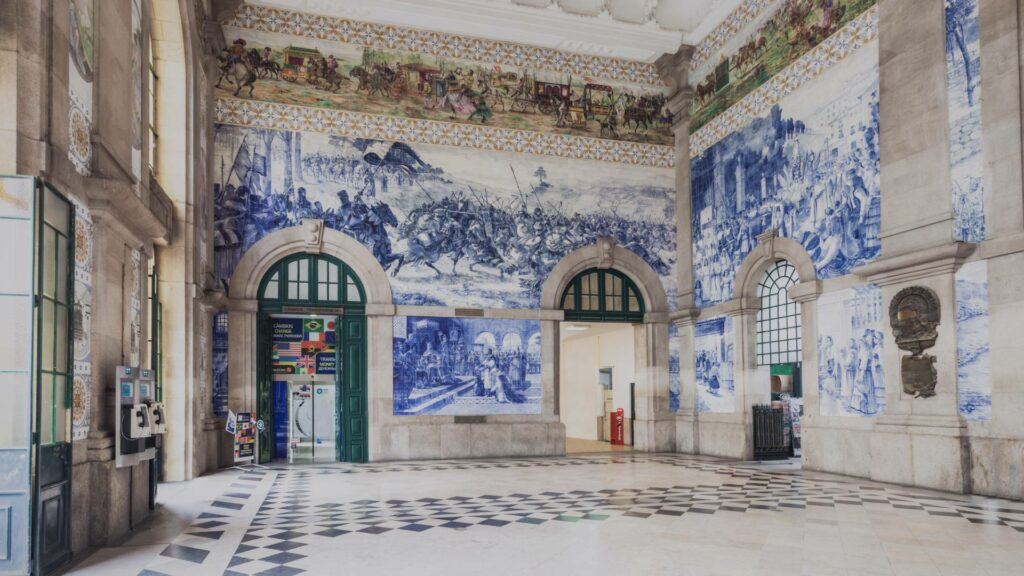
[674, 70]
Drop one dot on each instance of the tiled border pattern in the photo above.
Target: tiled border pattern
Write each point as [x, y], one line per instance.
[259, 114]
[380, 36]
[811, 65]
[82, 387]
[224, 520]
[744, 14]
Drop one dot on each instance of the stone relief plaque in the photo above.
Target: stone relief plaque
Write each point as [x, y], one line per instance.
[914, 316]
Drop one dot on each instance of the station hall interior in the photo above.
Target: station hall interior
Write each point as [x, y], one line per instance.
[697, 287]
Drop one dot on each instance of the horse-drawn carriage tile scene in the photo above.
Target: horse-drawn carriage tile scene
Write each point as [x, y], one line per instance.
[414, 74]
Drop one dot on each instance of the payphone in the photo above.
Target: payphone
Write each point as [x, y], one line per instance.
[141, 419]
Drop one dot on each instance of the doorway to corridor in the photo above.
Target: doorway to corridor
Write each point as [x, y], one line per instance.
[597, 360]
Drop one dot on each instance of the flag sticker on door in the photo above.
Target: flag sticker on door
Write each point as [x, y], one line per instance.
[304, 346]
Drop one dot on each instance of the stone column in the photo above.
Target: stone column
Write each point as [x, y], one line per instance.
[752, 381]
[917, 202]
[242, 355]
[654, 428]
[687, 423]
[1001, 118]
[674, 70]
[919, 441]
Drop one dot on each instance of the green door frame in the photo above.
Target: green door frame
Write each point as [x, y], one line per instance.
[279, 295]
[51, 463]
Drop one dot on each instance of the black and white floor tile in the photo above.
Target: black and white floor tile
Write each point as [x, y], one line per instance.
[284, 520]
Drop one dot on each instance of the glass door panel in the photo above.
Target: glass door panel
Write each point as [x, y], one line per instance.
[325, 421]
[312, 422]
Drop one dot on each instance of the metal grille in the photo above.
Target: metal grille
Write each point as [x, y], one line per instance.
[778, 322]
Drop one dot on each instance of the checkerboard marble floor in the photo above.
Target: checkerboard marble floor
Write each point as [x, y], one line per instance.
[593, 514]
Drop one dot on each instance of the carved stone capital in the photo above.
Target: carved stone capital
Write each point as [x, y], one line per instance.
[674, 69]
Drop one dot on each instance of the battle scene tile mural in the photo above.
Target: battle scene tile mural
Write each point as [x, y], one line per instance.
[759, 45]
[468, 85]
[973, 345]
[450, 230]
[963, 77]
[809, 169]
[466, 366]
[714, 355]
[850, 340]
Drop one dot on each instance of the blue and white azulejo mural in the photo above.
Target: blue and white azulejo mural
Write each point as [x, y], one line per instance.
[713, 357]
[466, 366]
[809, 169]
[851, 381]
[479, 230]
[963, 78]
[974, 373]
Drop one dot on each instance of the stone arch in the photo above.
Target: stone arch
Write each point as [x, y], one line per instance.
[770, 249]
[654, 427]
[310, 236]
[606, 253]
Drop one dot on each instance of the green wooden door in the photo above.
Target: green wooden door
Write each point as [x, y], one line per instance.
[264, 391]
[353, 397]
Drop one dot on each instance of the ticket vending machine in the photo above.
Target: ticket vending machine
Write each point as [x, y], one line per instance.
[141, 419]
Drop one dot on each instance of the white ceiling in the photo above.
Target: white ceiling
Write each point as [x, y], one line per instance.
[634, 29]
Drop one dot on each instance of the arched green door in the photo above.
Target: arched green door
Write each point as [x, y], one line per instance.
[602, 295]
[321, 284]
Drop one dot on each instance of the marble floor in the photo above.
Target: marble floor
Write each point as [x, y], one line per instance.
[595, 514]
[584, 446]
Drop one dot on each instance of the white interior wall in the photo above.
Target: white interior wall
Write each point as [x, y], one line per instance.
[582, 356]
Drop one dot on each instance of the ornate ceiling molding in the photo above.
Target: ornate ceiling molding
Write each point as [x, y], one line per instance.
[628, 29]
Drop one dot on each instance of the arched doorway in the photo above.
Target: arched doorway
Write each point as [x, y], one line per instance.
[311, 378]
[598, 362]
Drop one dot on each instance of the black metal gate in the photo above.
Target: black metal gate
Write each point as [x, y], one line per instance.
[769, 433]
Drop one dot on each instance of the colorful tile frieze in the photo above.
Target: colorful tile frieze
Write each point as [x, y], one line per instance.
[811, 65]
[736, 21]
[757, 43]
[254, 113]
[468, 81]
[385, 37]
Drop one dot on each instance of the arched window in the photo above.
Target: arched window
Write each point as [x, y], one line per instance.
[778, 321]
[312, 279]
[602, 296]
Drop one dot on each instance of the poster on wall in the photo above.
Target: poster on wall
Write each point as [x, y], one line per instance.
[466, 366]
[713, 359]
[973, 344]
[245, 438]
[851, 381]
[304, 346]
[808, 168]
[482, 230]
